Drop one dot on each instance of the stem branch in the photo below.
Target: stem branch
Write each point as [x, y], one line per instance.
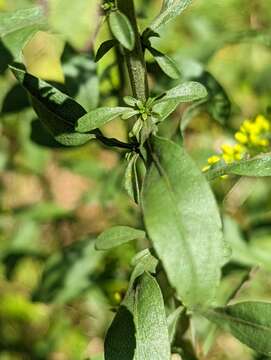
[135, 58]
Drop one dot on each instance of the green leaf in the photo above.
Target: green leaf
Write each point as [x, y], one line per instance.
[116, 236]
[170, 9]
[104, 48]
[249, 322]
[164, 109]
[57, 111]
[168, 66]
[186, 92]
[67, 273]
[183, 223]
[259, 166]
[131, 180]
[122, 29]
[139, 330]
[99, 117]
[18, 27]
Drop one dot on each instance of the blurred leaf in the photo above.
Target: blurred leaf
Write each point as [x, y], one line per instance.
[256, 167]
[17, 28]
[249, 322]
[194, 234]
[166, 63]
[170, 9]
[42, 57]
[99, 117]
[104, 48]
[173, 321]
[117, 235]
[67, 274]
[122, 29]
[81, 79]
[57, 111]
[243, 252]
[218, 103]
[139, 330]
[44, 211]
[192, 111]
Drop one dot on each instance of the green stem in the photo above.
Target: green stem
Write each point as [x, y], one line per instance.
[135, 58]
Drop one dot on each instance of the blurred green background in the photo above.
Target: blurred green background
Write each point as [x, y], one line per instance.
[57, 294]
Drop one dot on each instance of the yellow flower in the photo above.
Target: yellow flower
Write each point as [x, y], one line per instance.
[227, 149]
[213, 159]
[263, 123]
[241, 137]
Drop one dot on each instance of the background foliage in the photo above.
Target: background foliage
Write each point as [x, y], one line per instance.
[56, 292]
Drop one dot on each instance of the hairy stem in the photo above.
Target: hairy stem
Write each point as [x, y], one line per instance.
[135, 58]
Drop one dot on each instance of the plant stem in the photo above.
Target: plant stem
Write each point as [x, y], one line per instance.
[135, 58]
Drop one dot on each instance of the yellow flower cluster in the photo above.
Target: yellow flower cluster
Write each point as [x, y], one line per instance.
[252, 138]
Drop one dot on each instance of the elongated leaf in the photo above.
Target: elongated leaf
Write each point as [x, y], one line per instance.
[18, 27]
[166, 63]
[104, 48]
[139, 330]
[186, 92]
[122, 29]
[99, 117]
[183, 223]
[249, 322]
[131, 180]
[57, 111]
[116, 236]
[259, 166]
[170, 9]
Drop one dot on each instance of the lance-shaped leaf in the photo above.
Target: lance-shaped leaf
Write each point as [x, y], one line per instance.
[117, 235]
[186, 92]
[57, 111]
[259, 166]
[170, 9]
[167, 65]
[99, 117]
[139, 330]
[183, 223]
[18, 27]
[249, 322]
[122, 29]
